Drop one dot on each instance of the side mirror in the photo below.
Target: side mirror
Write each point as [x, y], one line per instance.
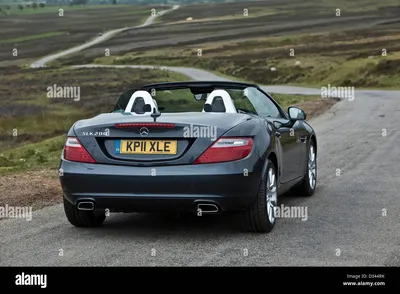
[296, 113]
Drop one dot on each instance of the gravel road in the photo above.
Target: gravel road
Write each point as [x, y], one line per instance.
[42, 62]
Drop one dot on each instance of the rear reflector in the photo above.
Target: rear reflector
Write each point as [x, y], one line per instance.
[226, 149]
[146, 125]
[74, 151]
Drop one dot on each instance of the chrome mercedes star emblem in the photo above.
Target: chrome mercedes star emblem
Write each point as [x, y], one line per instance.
[144, 132]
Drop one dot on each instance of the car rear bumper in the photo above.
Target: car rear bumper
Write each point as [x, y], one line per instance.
[231, 186]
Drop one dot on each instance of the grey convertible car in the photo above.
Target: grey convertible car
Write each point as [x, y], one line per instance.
[201, 147]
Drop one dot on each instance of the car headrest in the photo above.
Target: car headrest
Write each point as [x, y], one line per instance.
[137, 102]
[220, 101]
[218, 105]
[207, 107]
[138, 105]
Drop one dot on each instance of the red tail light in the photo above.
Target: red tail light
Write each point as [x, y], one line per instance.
[226, 149]
[74, 151]
[146, 125]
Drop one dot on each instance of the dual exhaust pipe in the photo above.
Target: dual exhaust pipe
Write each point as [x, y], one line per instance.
[86, 205]
[207, 208]
[203, 207]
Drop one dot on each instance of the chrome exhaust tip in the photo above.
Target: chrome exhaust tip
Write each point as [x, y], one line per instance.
[85, 205]
[207, 208]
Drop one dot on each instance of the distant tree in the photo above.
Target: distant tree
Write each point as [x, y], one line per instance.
[8, 7]
[28, 5]
[34, 5]
[20, 6]
[42, 5]
[114, 2]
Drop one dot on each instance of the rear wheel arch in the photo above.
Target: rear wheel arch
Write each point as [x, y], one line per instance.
[272, 156]
[274, 159]
[314, 140]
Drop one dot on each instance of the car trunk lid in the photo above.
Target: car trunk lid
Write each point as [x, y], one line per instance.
[176, 138]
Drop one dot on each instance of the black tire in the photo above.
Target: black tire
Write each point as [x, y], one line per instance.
[82, 218]
[256, 217]
[305, 189]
